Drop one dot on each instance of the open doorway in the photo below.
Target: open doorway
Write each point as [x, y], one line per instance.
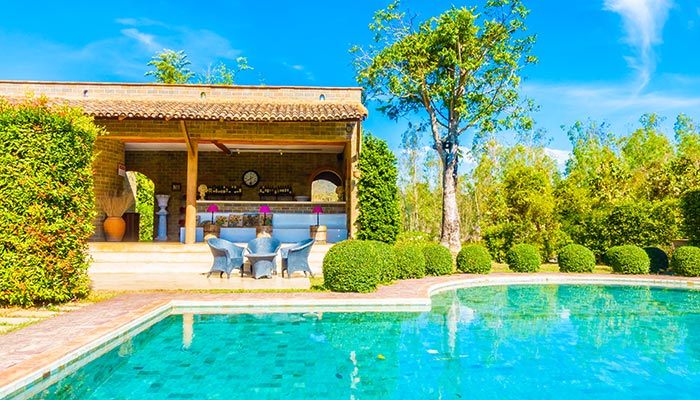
[327, 186]
[145, 195]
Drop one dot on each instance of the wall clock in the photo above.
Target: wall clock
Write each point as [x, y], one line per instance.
[251, 178]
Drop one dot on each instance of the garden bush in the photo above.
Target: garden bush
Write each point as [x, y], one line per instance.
[690, 208]
[474, 259]
[410, 261]
[438, 260]
[523, 258]
[357, 265]
[576, 258]
[686, 261]
[47, 202]
[627, 259]
[658, 260]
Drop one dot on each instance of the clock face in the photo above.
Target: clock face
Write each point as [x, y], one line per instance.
[251, 178]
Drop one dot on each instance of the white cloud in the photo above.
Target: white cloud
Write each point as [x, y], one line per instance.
[643, 23]
[143, 38]
[560, 156]
[300, 68]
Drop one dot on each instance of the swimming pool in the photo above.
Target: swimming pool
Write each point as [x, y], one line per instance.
[521, 341]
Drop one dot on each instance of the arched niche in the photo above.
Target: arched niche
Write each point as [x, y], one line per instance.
[327, 185]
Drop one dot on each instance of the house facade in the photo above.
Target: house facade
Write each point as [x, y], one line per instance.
[235, 149]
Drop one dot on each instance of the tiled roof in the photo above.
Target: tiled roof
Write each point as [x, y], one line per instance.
[234, 110]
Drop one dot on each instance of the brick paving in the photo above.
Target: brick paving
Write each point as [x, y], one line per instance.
[36, 347]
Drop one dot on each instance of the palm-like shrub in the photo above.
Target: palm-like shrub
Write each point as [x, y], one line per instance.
[686, 261]
[357, 265]
[410, 261]
[438, 260]
[627, 259]
[523, 258]
[576, 258]
[474, 259]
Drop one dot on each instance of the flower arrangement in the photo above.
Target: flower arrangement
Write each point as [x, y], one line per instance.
[115, 204]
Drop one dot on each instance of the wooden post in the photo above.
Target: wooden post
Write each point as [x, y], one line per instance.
[191, 190]
[352, 158]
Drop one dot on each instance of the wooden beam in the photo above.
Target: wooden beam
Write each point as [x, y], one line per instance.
[191, 190]
[221, 147]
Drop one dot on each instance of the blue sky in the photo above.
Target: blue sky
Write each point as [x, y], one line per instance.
[609, 60]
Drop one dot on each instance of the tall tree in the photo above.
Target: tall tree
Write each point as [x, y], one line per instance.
[459, 72]
[377, 194]
[170, 67]
[221, 74]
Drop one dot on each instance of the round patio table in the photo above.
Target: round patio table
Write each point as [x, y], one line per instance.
[262, 264]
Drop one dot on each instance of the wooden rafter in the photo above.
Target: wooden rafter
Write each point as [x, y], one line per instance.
[221, 146]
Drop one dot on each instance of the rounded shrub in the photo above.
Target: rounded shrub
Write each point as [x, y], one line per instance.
[438, 260]
[410, 261]
[627, 259]
[658, 260]
[474, 259]
[686, 261]
[357, 265]
[576, 258]
[523, 258]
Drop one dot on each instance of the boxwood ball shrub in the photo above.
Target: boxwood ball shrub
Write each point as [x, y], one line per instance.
[46, 202]
[438, 260]
[523, 258]
[658, 260]
[474, 259]
[627, 259]
[576, 258]
[686, 261]
[410, 261]
[357, 265]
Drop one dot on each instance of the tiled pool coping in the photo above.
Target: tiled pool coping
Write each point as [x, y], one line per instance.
[42, 350]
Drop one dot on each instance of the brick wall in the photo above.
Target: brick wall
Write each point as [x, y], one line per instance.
[216, 168]
[109, 154]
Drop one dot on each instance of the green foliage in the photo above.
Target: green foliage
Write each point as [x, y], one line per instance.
[459, 71]
[657, 258]
[145, 195]
[523, 258]
[414, 237]
[377, 194]
[576, 258]
[47, 203]
[686, 261]
[410, 261]
[628, 259]
[690, 207]
[170, 67]
[474, 259]
[438, 260]
[358, 266]
[220, 74]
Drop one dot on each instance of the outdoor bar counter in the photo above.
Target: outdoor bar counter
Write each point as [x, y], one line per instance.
[290, 220]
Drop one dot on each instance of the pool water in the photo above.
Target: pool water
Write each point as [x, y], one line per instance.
[539, 341]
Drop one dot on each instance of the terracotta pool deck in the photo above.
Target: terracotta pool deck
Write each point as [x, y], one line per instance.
[37, 347]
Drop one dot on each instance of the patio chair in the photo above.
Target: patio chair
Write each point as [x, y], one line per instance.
[264, 245]
[227, 257]
[296, 258]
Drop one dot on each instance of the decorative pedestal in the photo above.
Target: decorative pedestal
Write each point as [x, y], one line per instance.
[263, 231]
[211, 231]
[318, 233]
[162, 220]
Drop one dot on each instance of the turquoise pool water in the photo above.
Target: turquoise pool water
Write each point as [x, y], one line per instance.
[524, 342]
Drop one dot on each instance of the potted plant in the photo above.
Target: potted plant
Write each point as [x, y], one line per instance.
[115, 205]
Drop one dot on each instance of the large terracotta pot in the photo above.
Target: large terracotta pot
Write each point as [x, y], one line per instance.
[114, 228]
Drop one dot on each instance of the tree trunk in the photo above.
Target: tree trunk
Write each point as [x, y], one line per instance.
[450, 214]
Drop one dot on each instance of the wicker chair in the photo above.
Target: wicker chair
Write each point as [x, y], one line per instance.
[296, 258]
[227, 257]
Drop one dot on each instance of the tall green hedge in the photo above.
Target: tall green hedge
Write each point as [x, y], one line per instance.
[47, 202]
[690, 208]
[379, 217]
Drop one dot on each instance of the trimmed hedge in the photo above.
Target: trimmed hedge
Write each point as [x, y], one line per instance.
[576, 258]
[410, 261]
[523, 258]
[438, 260]
[47, 206]
[657, 258]
[474, 259]
[357, 265]
[686, 261]
[627, 259]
